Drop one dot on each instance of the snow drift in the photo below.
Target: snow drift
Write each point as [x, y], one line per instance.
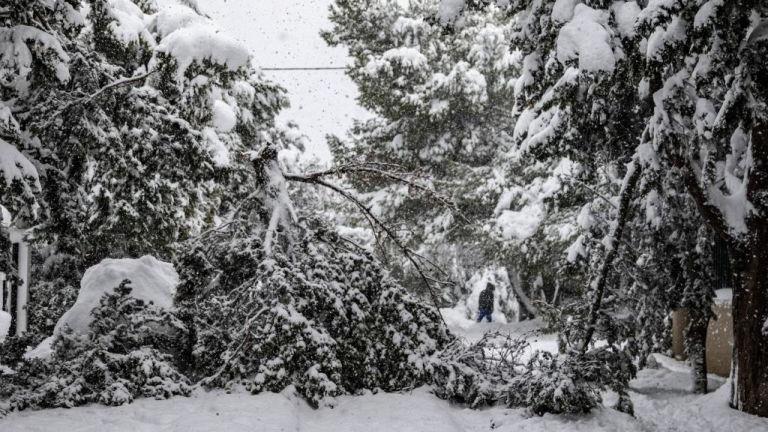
[152, 281]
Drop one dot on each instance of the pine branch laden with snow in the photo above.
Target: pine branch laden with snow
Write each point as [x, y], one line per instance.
[156, 106]
[707, 123]
[441, 93]
[312, 314]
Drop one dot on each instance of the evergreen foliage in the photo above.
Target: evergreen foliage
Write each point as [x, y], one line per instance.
[442, 98]
[311, 313]
[127, 354]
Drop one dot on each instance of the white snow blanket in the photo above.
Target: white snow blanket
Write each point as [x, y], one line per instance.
[661, 396]
[152, 280]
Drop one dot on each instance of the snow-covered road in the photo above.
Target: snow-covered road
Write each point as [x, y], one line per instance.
[661, 401]
[661, 397]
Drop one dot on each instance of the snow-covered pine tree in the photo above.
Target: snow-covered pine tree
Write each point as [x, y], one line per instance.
[576, 120]
[442, 92]
[594, 119]
[32, 58]
[125, 129]
[705, 71]
[668, 263]
[159, 116]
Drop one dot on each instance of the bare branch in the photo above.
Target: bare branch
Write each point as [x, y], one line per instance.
[388, 171]
[94, 95]
[375, 222]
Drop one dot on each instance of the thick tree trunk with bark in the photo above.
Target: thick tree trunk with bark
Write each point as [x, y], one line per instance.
[750, 312]
[750, 300]
[696, 348]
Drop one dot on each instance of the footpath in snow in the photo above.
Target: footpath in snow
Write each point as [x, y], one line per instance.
[662, 403]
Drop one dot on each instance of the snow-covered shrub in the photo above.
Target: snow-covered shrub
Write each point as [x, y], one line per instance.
[53, 289]
[552, 385]
[313, 312]
[14, 346]
[494, 370]
[609, 364]
[471, 373]
[152, 280]
[125, 355]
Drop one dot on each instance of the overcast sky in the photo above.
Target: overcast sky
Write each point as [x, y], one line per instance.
[285, 33]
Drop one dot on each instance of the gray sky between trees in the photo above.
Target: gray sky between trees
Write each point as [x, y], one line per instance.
[285, 33]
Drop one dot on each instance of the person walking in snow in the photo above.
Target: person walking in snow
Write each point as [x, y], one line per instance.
[485, 306]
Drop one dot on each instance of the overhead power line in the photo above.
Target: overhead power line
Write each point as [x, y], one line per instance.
[304, 68]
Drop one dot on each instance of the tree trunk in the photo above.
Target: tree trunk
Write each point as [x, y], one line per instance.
[516, 283]
[696, 348]
[750, 299]
[750, 312]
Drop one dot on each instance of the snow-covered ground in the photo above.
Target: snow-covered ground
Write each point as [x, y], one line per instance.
[661, 397]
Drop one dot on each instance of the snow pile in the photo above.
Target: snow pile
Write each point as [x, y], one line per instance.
[152, 281]
[17, 44]
[662, 402]
[586, 38]
[203, 42]
[406, 56]
[130, 22]
[178, 30]
[44, 350]
[224, 116]
[5, 324]
[172, 17]
[562, 11]
[414, 411]
[663, 37]
[724, 296]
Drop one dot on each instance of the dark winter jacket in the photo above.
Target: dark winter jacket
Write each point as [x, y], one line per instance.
[486, 300]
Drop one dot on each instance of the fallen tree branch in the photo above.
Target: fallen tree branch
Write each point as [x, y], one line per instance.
[412, 257]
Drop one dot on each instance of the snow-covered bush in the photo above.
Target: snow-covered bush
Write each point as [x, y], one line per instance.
[313, 312]
[552, 386]
[126, 354]
[53, 289]
[152, 280]
[501, 370]
[471, 373]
